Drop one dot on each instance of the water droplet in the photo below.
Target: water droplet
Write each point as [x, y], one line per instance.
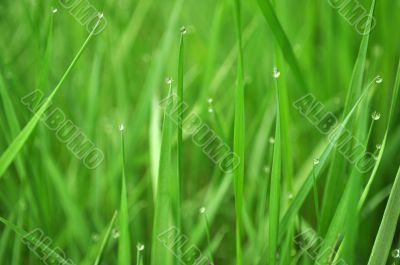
[276, 73]
[183, 30]
[54, 10]
[378, 146]
[267, 169]
[271, 140]
[202, 210]
[375, 116]
[316, 161]
[115, 233]
[140, 246]
[122, 127]
[169, 80]
[290, 196]
[396, 253]
[210, 100]
[210, 110]
[378, 79]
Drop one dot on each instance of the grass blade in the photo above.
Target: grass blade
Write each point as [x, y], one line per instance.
[9, 155]
[124, 244]
[239, 136]
[338, 164]
[105, 239]
[159, 254]
[36, 243]
[384, 238]
[154, 77]
[275, 197]
[283, 41]
[302, 194]
[392, 112]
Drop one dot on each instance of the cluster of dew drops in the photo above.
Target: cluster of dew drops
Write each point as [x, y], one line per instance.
[115, 234]
[276, 74]
[99, 14]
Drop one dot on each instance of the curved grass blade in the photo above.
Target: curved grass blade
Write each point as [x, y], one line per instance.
[9, 155]
[392, 112]
[380, 155]
[159, 253]
[283, 41]
[5, 237]
[302, 194]
[384, 238]
[377, 199]
[338, 164]
[105, 239]
[36, 243]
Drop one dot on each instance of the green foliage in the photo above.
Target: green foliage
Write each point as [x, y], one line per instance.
[256, 81]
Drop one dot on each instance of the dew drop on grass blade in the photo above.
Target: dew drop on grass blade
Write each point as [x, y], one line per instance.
[124, 244]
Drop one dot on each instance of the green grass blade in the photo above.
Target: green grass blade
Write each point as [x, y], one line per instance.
[384, 238]
[392, 112]
[180, 126]
[286, 159]
[159, 253]
[5, 237]
[337, 169]
[239, 136]
[275, 197]
[16, 255]
[37, 242]
[124, 244]
[176, 184]
[9, 155]
[283, 41]
[155, 73]
[303, 192]
[105, 239]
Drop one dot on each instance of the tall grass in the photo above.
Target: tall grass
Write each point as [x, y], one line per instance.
[240, 68]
